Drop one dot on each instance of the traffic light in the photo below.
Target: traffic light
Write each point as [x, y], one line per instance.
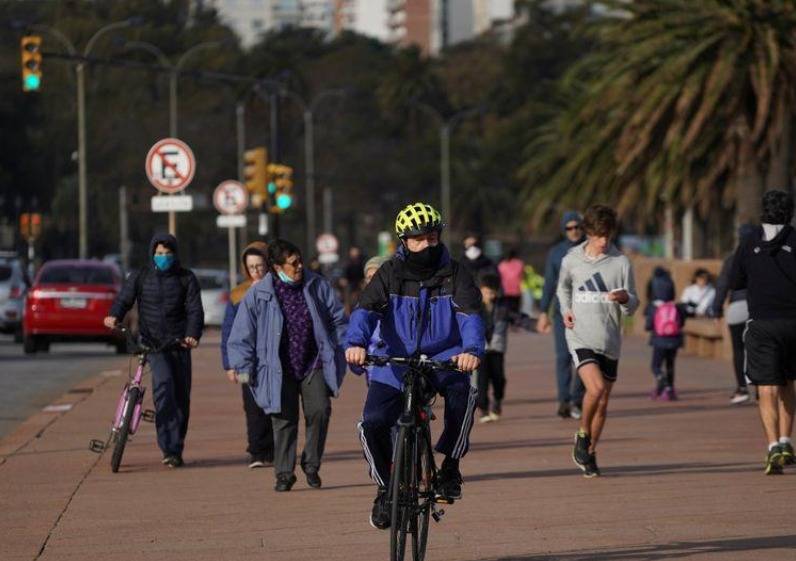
[30, 225]
[255, 174]
[281, 177]
[31, 63]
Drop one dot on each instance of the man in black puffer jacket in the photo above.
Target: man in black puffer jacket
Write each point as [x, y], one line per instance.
[169, 308]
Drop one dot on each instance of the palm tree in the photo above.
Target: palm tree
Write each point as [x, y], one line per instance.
[682, 101]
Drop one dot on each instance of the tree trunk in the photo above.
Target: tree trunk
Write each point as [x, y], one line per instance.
[778, 176]
[749, 183]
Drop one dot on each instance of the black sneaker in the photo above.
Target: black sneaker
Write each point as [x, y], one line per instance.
[313, 479]
[284, 482]
[787, 453]
[449, 484]
[580, 453]
[380, 515]
[590, 469]
[774, 461]
[173, 461]
[563, 410]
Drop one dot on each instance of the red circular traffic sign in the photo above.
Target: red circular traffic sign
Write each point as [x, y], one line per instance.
[170, 165]
[327, 243]
[231, 197]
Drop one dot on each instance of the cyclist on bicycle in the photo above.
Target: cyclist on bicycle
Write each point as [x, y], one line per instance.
[426, 303]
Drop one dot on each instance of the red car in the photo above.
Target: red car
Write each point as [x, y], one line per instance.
[68, 301]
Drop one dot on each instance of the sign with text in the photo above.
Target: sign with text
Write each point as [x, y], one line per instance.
[180, 203]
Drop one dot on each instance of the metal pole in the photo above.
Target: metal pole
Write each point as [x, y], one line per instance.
[173, 134]
[327, 210]
[240, 130]
[81, 162]
[124, 232]
[232, 257]
[445, 171]
[309, 154]
[274, 155]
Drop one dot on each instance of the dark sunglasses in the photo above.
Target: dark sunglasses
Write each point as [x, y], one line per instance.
[570, 228]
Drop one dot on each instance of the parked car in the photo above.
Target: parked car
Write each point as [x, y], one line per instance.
[214, 284]
[13, 287]
[68, 301]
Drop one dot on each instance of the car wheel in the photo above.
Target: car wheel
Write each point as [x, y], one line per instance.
[29, 344]
[43, 344]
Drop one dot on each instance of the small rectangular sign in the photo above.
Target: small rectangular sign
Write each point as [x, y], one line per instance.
[231, 220]
[168, 203]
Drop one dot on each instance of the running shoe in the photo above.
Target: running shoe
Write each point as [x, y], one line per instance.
[494, 416]
[590, 469]
[259, 461]
[575, 412]
[173, 461]
[284, 482]
[740, 396]
[668, 394]
[563, 410]
[484, 417]
[774, 461]
[380, 515]
[313, 479]
[787, 453]
[580, 453]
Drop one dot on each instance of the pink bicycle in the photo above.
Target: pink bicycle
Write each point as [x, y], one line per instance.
[129, 410]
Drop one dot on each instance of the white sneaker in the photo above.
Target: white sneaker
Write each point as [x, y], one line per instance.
[493, 416]
[575, 412]
[740, 397]
[485, 419]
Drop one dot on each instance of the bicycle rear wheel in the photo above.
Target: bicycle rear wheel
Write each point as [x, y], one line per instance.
[120, 440]
[425, 493]
[402, 494]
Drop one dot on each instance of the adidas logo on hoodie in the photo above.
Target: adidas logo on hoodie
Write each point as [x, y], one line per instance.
[593, 291]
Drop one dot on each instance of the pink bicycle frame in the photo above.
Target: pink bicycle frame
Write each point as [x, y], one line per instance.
[138, 406]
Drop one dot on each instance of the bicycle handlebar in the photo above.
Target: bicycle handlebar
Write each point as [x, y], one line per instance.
[140, 348]
[417, 362]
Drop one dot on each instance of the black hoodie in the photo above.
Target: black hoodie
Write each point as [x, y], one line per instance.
[767, 269]
[169, 302]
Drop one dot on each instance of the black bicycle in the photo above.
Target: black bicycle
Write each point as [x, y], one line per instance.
[413, 497]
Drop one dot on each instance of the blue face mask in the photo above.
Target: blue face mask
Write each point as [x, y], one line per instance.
[284, 278]
[164, 262]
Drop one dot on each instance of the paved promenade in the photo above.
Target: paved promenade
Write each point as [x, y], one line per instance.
[681, 480]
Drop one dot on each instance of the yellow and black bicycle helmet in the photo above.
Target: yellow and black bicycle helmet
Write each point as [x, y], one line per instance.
[416, 219]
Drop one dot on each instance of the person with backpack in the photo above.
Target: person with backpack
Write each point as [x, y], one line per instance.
[169, 309]
[765, 265]
[664, 321]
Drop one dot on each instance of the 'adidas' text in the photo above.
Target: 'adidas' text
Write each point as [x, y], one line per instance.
[592, 298]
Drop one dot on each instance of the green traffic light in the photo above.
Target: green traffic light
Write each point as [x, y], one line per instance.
[32, 82]
[272, 187]
[284, 201]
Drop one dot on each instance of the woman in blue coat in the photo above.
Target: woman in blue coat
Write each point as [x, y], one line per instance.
[287, 338]
[259, 431]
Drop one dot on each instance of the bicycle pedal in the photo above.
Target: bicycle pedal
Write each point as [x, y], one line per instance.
[96, 446]
[148, 416]
[443, 501]
[437, 515]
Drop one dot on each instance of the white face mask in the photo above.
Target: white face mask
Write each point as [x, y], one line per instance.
[472, 253]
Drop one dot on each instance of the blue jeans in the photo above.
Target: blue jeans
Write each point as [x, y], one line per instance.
[570, 388]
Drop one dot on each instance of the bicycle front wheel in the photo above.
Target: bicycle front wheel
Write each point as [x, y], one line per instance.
[425, 493]
[120, 440]
[403, 493]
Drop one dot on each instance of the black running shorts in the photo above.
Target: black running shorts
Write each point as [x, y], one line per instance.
[770, 346]
[608, 366]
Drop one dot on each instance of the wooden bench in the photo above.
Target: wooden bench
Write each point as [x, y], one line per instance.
[704, 337]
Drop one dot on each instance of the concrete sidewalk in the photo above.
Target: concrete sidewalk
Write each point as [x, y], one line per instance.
[681, 480]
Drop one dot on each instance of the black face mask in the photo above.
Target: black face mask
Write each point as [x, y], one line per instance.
[426, 260]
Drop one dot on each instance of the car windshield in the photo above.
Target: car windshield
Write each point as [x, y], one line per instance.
[76, 275]
[5, 272]
[211, 282]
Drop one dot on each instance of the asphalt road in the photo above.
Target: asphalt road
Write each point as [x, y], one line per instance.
[30, 382]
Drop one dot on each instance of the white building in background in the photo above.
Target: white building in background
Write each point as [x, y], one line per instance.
[252, 18]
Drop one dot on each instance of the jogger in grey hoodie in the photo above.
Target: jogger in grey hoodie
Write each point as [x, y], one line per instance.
[596, 289]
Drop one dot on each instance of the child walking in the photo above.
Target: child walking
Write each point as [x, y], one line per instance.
[596, 290]
[664, 321]
[492, 372]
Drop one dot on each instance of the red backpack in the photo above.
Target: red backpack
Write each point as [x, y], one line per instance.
[666, 322]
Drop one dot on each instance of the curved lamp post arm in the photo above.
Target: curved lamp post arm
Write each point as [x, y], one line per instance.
[102, 31]
[63, 39]
[195, 49]
[151, 49]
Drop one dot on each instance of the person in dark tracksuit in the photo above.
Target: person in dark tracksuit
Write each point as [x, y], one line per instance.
[425, 303]
[259, 430]
[570, 391]
[169, 308]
